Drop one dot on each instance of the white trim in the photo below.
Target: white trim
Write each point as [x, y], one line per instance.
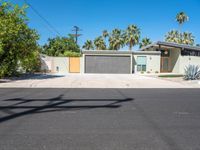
[108, 54]
[83, 61]
[131, 66]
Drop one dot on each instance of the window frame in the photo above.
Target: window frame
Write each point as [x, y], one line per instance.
[142, 67]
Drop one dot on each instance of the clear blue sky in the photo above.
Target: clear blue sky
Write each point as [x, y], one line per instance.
[154, 17]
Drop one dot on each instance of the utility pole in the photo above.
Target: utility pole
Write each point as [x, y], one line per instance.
[76, 29]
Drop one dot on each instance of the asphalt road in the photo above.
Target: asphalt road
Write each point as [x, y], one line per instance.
[99, 119]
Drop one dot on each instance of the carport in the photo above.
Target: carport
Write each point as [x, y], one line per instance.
[107, 62]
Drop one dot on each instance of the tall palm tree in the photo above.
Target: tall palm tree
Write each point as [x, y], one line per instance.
[99, 43]
[181, 18]
[173, 36]
[105, 34]
[88, 45]
[116, 40]
[145, 42]
[187, 38]
[132, 36]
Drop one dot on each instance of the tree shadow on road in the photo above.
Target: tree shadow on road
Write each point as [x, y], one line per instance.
[24, 106]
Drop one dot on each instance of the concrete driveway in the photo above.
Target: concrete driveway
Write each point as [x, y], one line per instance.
[95, 81]
[99, 119]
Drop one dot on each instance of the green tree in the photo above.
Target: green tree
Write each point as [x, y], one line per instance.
[181, 18]
[132, 36]
[116, 40]
[105, 34]
[88, 45]
[173, 36]
[180, 38]
[99, 43]
[18, 43]
[187, 38]
[145, 42]
[61, 46]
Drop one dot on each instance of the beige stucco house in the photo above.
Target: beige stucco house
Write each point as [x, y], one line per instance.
[159, 57]
[175, 57]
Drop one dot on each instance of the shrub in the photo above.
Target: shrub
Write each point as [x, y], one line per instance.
[148, 72]
[192, 72]
[71, 54]
[60, 47]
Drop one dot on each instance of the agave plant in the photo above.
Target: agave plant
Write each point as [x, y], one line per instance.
[192, 72]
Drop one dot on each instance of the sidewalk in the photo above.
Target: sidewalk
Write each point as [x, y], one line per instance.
[96, 81]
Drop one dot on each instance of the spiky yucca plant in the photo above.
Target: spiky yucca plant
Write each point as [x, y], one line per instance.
[192, 72]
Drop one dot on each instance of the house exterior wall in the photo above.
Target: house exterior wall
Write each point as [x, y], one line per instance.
[153, 62]
[82, 64]
[51, 64]
[60, 65]
[188, 60]
[46, 63]
[178, 62]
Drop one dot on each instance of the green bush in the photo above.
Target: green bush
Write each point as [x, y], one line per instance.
[71, 54]
[18, 43]
[61, 46]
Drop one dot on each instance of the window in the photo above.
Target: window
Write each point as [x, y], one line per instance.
[141, 63]
[187, 52]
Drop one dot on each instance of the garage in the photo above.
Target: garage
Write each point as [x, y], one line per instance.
[108, 63]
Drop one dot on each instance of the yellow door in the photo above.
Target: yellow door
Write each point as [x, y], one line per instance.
[74, 64]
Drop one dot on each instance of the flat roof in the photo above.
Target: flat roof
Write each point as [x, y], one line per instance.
[169, 44]
[115, 52]
[106, 52]
[147, 52]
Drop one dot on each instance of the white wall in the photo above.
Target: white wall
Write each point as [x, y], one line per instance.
[82, 64]
[46, 63]
[60, 65]
[153, 62]
[50, 64]
[188, 60]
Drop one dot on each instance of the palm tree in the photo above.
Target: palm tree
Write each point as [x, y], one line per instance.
[116, 40]
[105, 34]
[145, 42]
[132, 36]
[99, 43]
[173, 36]
[187, 38]
[88, 45]
[176, 37]
[181, 18]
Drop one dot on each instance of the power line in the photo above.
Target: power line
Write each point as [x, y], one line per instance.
[45, 20]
